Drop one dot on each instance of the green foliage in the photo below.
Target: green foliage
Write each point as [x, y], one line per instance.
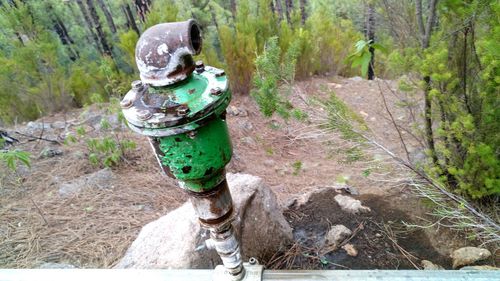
[462, 63]
[11, 158]
[107, 151]
[333, 38]
[341, 118]
[270, 71]
[297, 167]
[362, 56]
[241, 44]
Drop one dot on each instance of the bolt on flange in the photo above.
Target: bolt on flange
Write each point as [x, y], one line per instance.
[216, 91]
[144, 114]
[126, 103]
[137, 85]
[182, 110]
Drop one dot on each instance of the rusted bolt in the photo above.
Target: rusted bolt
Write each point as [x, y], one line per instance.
[182, 110]
[144, 114]
[191, 134]
[137, 85]
[216, 91]
[200, 67]
[220, 73]
[126, 103]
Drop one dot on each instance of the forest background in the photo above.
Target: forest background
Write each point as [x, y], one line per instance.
[60, 54]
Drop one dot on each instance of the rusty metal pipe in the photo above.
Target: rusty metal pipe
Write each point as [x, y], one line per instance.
[164, 52]
[215, 212]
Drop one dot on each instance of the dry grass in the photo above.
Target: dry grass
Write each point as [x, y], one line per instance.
[93, 228]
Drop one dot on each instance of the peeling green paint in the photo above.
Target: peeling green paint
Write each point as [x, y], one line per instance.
[198, 161]
[197, 156]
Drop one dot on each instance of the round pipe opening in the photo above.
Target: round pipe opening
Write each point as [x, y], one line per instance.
[195, 37]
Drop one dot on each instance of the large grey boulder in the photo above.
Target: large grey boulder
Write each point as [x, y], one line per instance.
[171, 241]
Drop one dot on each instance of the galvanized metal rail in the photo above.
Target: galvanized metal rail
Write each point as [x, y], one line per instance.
[275, 275]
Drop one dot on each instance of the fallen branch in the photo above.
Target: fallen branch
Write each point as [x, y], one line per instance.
[37, 138]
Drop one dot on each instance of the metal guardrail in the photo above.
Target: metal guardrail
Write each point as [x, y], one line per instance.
[275, 275]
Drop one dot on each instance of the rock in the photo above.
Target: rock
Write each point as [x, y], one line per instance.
[363, 113]
[34, 126]
[480, 267]
[335, 85]
[468, 256]
[337, 234]
[242, 113]
[249, 141]
[351, 251]
[170, 241]
[245, 126]
[351, 205]
[100, 180]
[235, 111]
[428, 265]
[356, 79]
[91, 118]
[50, 152]
[59, 125]
[269, 163]
[52, 265]
[303, 199]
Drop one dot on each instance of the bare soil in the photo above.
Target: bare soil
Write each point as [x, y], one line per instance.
[95, 227]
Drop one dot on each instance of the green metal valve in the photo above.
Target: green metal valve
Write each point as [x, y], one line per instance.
[186, 123]
[181, 107]
[182, 111]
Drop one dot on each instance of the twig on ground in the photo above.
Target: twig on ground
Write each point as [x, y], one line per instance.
[37, 138]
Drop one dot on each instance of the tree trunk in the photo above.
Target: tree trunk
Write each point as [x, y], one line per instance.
[289, 10]
[62, 32]
[142, 7]
[429, 135]
[271, 6]
[233, 9]
[279, 9]
[107, 14]
[65, 38]
[430, 24]
[98, 27]
[214, 19]
[130, 18]
[303, 13]
[425, 41]
[89, 23]
[370, 36]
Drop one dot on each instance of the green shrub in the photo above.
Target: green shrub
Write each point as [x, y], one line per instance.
[11, 158]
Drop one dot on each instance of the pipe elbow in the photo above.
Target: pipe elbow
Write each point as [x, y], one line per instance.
[164, 52]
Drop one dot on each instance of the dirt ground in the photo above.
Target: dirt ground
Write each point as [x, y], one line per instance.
[94, 227]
